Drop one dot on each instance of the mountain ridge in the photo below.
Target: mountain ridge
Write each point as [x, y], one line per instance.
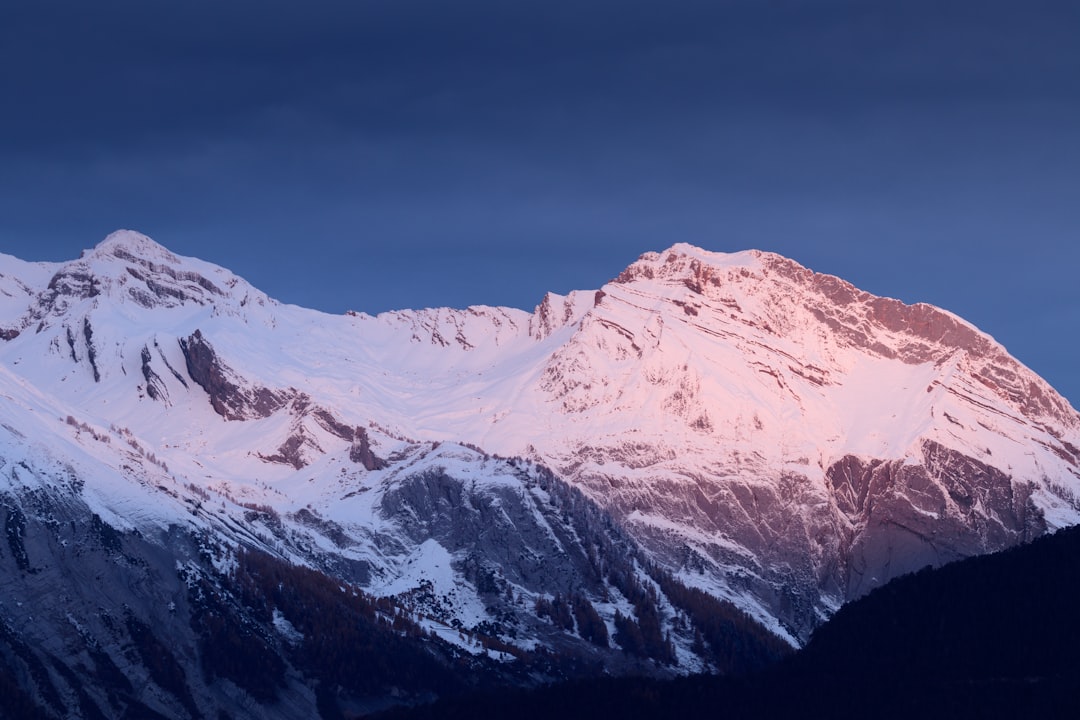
[733, 424]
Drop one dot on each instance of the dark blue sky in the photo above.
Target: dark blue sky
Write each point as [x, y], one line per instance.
[374, 155]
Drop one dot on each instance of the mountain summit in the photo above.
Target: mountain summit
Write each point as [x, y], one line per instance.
[732, 424]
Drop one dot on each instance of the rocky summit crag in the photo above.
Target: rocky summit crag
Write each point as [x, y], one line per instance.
[689, 469]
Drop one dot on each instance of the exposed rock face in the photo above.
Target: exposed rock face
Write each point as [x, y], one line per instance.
[91, 352]
[155, 388]
[149, 274]
[556, 311]
[228, 397]
[333, 425]
[71, 284]
[907, 516]
[536, 548]
[290, 452]
[361, 453]
[302, 444]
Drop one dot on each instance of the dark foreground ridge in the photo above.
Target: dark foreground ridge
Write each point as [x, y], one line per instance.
[995, 636]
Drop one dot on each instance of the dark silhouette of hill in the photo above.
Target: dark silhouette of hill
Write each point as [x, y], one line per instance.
[996, 636]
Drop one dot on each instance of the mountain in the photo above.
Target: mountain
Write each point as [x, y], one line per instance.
[687, 470]
[799, 442]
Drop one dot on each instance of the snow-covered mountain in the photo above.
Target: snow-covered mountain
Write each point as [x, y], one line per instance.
[732, 423]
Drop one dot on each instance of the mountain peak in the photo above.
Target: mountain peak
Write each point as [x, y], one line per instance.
[814, 316]
[128, 269]
[783, 288]
[129, 245]
[681, 258]
[128, 265]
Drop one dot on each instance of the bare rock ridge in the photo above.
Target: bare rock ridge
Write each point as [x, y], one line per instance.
[361, 452]
[154, 386]
[228, 398]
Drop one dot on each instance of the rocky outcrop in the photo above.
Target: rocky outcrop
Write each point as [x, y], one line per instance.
[155, 387]
[488, 523]
[290, 452]
[91, 351]
[905, 516]
[71, 283]
[557, 311]
[361, 452]
[229, 396]
[302, 444]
